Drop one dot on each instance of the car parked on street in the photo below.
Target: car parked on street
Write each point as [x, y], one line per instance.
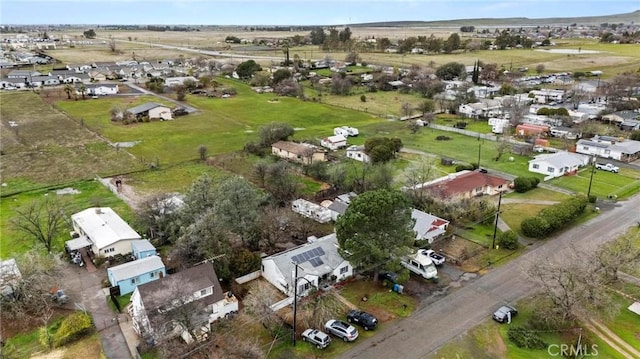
[316, 337]
[342, 330]
[504, 314]
[366, 320]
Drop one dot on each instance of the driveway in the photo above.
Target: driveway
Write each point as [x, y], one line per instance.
[190, 109]
[429, 328]
[86, 292]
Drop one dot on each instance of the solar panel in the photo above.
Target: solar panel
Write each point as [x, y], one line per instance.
[321, 251]
[296, 259]
[316, 262]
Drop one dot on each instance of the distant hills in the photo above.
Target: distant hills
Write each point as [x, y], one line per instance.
[628, 18]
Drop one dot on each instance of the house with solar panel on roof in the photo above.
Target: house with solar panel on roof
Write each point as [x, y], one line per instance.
[319, 264]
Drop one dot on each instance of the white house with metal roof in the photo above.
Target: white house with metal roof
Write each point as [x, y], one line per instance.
[318, 262]
[615, 148]
[132, 274]
[151, 110]
[104, 231]
[557, 164]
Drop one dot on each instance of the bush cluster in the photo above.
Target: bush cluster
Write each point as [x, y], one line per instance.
[508, 240]
[467, 167]
[523, 184]
[553, 218]
[546, 111]
[72, 327]
[443, 138]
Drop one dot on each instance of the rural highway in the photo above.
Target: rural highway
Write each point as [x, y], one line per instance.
[429, 328]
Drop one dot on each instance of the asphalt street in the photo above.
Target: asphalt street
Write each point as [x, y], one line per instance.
[429, 328]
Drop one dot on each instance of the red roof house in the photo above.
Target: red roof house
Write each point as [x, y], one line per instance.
[466, 184]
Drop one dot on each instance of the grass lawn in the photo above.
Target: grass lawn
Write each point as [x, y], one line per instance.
[538, 193]
[622, 185]
[123, 300]
[223, 125]
[480, 126]
[91, 194]
[380, 299]
[627, 323]
[514, 213]
[478, 233]
[46, 147]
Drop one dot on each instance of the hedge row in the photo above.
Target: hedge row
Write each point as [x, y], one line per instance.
[553, 218]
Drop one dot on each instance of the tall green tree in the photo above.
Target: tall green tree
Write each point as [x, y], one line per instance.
[377, 229]
[236, 205]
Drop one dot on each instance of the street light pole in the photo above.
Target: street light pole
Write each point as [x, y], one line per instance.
[593, 169]
[495, 227]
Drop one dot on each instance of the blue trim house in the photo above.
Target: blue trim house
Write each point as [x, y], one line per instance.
[132, 274]
[142, 248]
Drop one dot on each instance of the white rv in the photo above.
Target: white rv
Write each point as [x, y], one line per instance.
[421, 264]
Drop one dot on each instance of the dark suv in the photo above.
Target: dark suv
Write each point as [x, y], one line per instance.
[366, 320]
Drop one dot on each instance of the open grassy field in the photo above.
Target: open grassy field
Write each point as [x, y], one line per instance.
[46, 147]
[224, 125]
[92, 193]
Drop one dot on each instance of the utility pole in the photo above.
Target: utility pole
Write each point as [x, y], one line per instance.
[479, 150]
[295, 300]
[593, 169]
[495, 227]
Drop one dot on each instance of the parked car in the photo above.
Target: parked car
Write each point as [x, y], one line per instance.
[366, 320]
[180, 112]
[58, 296]
[607, 167]
[504, 313]
[342, 330]
[436, 258]
[316, 337]
[388, 276]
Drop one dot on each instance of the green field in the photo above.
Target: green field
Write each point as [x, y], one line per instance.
[91, 194]
[605, 184]
[223, 125]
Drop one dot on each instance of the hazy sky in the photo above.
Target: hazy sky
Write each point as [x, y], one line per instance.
[289, 12]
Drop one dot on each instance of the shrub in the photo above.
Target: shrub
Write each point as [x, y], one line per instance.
[592, 199]
[468, 167]
[461, 125]
[523, 184]
[524, 338]
[443, 138]
[363, 98]
[535, 227]
[508, 240]
[72, 328]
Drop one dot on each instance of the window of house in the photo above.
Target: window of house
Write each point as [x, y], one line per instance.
[344, 270]
[550, 169]
[152, 274]
[606, 152]
[586, 148]
[134, 280]
[535, 166]
[203, 292]
[478, 189]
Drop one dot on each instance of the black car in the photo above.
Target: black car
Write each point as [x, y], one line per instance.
[366, 320]
[388, 276]
[180, 112]
[503, 314]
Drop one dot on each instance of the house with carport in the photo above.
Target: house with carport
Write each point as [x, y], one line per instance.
[319, 264]
[103, 231]
[558, 164]
[151, 110]
[129, 275]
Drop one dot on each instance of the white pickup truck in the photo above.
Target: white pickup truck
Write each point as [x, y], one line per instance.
[607, 167]
[436, 258]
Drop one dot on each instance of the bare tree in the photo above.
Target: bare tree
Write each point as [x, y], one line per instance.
[540, 69]
[42, 220]
[515, 109]
[406, 109]
[619, 254]
[418, 172]
[112, 45]
[258, 303]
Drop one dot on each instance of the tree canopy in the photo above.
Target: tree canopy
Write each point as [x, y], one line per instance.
[376, 228]
[246, 69]
[451, 70]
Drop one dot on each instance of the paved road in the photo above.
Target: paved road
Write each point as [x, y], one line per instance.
[429, 328]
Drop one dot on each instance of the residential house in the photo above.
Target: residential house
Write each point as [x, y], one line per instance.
[311, 210]
[339, 206]
[610, 147]
[151, 110]
[298, 152]
[566, 132]
[346, 131]
[37, 81]
[175, 81]
[427, 226]
[97, 75]
[23, 74]
[620, 117]
[195, 292]
[9, 277]
[142, 249]
[98, 89]
[129, 275]
[319, 264]
[557, 164]
[548, 95]
[630, 125]
[357, 153]
[465, 184]
[101, 229]
[483, 109]
[334, 142]
[13, 83]
[592, 110]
